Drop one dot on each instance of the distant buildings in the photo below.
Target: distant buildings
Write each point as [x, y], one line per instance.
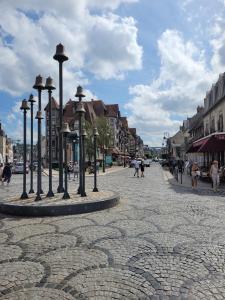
[124, 141]
[6, 148]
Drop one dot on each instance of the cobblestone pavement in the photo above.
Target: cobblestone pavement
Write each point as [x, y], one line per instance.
[160, 242]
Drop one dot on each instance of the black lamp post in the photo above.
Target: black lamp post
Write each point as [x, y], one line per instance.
[49, 86]
[104, 151]
[80, 111]
[65, 131]
[103, 160]
[39, 190]
[60, 57]
[83, 134]
[39, 86]
[73, 138]
[95, 133]
[124, 160]
[31, 100]
[24, 107]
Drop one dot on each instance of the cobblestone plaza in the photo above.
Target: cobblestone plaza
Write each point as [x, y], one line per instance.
[160, 242]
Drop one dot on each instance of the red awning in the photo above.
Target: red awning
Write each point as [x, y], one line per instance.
[212, 143]
[215, 143]
[193, 149]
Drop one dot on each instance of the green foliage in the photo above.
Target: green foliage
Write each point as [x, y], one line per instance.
[89, 140]
[105, 132]
[104, 138]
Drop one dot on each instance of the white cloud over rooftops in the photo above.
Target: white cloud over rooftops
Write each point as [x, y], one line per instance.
[102, 44]
[180, 87]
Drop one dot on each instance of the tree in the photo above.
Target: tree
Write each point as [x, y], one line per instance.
[104, 131]
[89, 140]
[105, 136]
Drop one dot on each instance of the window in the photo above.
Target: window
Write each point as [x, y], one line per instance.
[220, 123]
[206, 129]
[212, 126]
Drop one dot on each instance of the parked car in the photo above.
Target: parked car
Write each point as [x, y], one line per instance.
[18, 168]
[147, 162]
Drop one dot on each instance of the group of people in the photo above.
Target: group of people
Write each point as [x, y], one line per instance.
[73, 168]
[213, 173]
[138, 166]
[5, 173]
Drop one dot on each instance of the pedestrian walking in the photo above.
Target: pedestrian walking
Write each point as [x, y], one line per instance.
[136, 168]
[194, 175]
[6, 174]
[97, 166]
[1, 171]
[75, 170]
[142, 169]
[214, 174]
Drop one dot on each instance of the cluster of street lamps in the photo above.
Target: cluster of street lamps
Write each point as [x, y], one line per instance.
[64, 133]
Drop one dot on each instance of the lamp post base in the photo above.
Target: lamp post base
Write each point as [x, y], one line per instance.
[38, 198]
[41, 192]
[50, 194]
[31, 191]
[95, 189]
[60, 189]
[66, 195]
[83, 195]
[24, 195]
[78, 190]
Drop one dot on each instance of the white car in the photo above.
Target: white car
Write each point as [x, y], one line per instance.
[147, 162]
[18, 168]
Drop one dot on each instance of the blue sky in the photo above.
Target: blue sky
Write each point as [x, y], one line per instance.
[156, 58]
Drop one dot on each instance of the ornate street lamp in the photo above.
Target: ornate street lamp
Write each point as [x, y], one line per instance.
[24, 107]
[65, 131]
[60, 57]
[39, 189]
[83, 134]
[31, 100]
[49, 86]
[80, 111]
[39, 86]
[95, 133]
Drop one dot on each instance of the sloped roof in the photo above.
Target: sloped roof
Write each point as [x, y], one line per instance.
[55, 104]
[196, 121]
[99, 108]
[112, 110]
[124, 121]
[90, 114]
[132, 131]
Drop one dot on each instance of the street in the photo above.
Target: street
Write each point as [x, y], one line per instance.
[162, 241]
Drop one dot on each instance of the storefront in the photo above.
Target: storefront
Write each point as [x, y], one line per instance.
[212, 147]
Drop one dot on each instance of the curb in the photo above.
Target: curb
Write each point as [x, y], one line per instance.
[59, 210]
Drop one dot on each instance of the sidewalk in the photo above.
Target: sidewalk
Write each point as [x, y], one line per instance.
[107, 171]
[186, 181]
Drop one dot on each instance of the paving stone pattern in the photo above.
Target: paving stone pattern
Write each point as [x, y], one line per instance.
[161, 242]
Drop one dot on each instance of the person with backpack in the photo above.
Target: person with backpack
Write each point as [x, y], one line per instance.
[6, 174]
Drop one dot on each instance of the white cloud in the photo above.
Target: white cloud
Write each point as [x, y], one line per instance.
[181, 85]
[30, 30]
